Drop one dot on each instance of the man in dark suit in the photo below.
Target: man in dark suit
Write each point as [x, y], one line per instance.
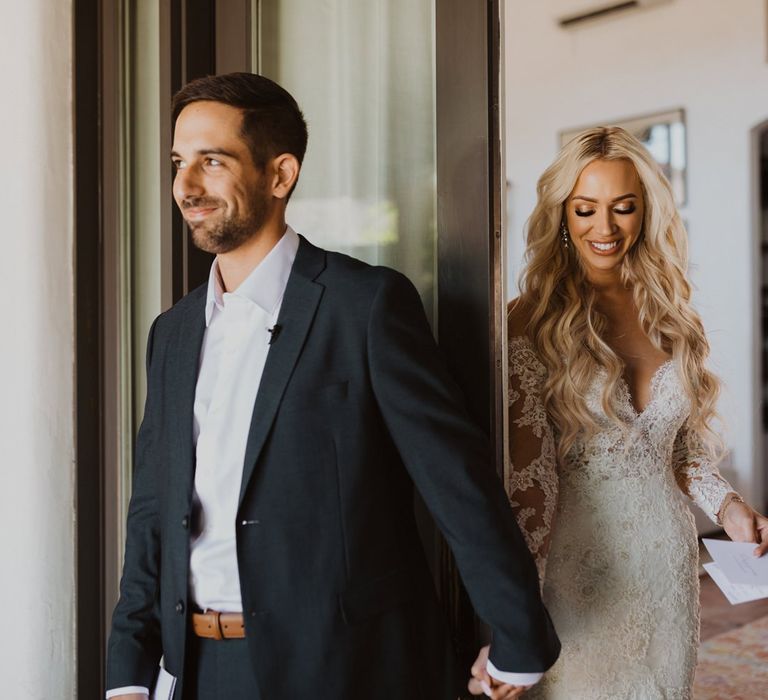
[293, 402]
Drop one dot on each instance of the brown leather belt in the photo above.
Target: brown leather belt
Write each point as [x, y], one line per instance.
[218, 625]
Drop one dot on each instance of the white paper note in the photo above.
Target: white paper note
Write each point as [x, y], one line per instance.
[735, 592]
[164, 687]
[737, 563]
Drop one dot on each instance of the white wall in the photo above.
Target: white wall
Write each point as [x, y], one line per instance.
[707, 56]
[36, 354]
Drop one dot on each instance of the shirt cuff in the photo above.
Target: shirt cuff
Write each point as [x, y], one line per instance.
[512, 678]
[125, 690]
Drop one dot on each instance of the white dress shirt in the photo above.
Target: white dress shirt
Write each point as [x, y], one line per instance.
[232, 358]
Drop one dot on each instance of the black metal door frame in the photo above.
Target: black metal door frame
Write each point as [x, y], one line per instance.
[89, 497]
[469, 215]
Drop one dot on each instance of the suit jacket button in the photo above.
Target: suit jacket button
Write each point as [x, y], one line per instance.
[180, 607]
[185, 522]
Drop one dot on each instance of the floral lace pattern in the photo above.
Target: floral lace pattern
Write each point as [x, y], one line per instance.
[531, 476]
[617, 543]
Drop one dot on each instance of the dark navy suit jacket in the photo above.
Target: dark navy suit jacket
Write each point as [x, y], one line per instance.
[355, 407]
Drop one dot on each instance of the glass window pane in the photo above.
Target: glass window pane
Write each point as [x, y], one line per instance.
[363, 74]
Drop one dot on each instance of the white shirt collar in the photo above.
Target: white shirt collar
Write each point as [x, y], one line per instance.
[266, 283]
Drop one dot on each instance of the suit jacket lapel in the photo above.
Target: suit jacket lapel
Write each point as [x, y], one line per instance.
[302, 295]
[187, 361]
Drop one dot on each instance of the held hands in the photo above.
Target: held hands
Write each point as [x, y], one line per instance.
[482, 683]
[743, 524]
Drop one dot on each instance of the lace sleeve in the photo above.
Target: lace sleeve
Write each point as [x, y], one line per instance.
[531, 472]
[697, 475]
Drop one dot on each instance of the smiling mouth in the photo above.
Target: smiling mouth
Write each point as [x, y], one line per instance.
[604, 248]
[198, 212]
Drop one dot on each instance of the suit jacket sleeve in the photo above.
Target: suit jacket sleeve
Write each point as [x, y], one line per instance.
[135, 646]
[448, 459]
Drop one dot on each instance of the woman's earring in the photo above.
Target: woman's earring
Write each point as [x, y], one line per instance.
[564, 233]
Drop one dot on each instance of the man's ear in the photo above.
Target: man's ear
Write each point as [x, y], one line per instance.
[285, 172]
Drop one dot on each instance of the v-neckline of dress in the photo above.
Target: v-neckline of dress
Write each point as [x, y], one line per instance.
[652, 388]
[625, 392]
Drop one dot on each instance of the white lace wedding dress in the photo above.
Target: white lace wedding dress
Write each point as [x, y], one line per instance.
[620, 577]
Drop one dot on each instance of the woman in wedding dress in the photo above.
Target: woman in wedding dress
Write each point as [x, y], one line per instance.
[611, 408]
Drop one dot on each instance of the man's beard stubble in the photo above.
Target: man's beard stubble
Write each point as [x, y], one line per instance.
[228, 233]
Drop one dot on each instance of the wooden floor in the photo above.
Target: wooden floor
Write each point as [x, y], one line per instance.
[718, 615]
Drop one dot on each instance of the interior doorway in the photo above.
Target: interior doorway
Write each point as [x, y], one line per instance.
[424, 198]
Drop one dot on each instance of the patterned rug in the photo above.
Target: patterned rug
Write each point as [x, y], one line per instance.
[734, 665]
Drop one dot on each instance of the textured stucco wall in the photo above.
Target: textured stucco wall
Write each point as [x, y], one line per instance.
[37, 585]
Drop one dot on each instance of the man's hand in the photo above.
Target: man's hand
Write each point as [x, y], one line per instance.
[743, 524]
[482, 683]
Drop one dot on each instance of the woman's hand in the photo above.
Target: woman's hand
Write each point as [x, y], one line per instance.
[744, 524]
[481, 682]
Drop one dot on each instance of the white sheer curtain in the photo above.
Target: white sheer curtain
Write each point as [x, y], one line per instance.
[363, 73]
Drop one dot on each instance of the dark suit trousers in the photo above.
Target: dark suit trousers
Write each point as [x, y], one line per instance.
[219, 669]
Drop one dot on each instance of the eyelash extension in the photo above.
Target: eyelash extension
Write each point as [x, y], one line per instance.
[628, 210]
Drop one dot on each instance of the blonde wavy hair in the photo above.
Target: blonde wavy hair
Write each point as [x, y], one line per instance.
[564, 325]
